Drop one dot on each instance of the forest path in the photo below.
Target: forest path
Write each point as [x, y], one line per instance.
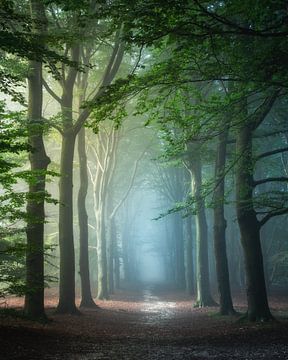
[157, 309]
[153, 323]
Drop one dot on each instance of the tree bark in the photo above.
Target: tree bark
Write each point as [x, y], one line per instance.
[204, 297]
[117, 267]
[39, 161]
[225, 299]
[102, 255]
[258, 308]
[189, 273]
[111, 256]
[86, 295]
[179, 251]
[66, 238]
[69, 131]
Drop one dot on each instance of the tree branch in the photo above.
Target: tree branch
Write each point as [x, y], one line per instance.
[264, 109]
[130, 185]
[110, 72]
[272, 214]
[272, 152]
[51, 92]
[270, 179]
[50, 123]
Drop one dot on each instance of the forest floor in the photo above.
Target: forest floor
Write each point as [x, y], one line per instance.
[144, 324]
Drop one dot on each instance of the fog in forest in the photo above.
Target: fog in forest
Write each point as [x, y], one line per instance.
[143, 177]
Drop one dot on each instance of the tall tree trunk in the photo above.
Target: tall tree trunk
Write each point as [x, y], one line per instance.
[66, 238]
[69, 131]
[179, 251]
[226, 305]
[86, 295]
[204, 297]
[39, 161]
[111, 256]
[258, 308]
[117, 267]
[102, 255]
[189, 274]
[126, 253]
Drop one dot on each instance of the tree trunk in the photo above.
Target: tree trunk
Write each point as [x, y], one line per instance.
[102, 256]
[86, 296]
[179, 251]
[258, 308]
[66, 238]
[226, 305]
[204, 297]
[111, 256]
[117, 267]
[39, 161]
[189, 276]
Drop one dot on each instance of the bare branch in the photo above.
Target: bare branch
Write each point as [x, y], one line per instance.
[271, 214]
[51, 92]
[270, 179]
[130, 185]
[272, 152]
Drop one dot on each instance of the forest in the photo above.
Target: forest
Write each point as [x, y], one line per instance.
[143, 179]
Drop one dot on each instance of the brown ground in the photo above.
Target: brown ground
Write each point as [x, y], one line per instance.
[147, 324]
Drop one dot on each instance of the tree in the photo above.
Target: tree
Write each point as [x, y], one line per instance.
[86, 295]
[34, 299]
[193, 163]
[229, 41]
[226, 304]
[13, 148]
[258, 309]
[69, 129]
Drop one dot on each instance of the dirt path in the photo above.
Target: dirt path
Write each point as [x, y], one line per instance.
[149, 324]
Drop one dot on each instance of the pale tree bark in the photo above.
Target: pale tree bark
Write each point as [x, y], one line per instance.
[104, 153]
[189, 273]
[86, 295]
[179, 251]
[204, 297]
[84, 268]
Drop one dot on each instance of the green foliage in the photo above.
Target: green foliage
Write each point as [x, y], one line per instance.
[12, 265]
[13, 216]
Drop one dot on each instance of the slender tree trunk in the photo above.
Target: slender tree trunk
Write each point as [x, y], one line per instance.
[117, 267]
[189, 276]
[39, 161]
[258, 308]
[111, 256]
[102, 255]
[86, 295]
[226, 305]
[170, 261]
[204, 297]
[179, 251]
[66, 237]
[69, 131]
